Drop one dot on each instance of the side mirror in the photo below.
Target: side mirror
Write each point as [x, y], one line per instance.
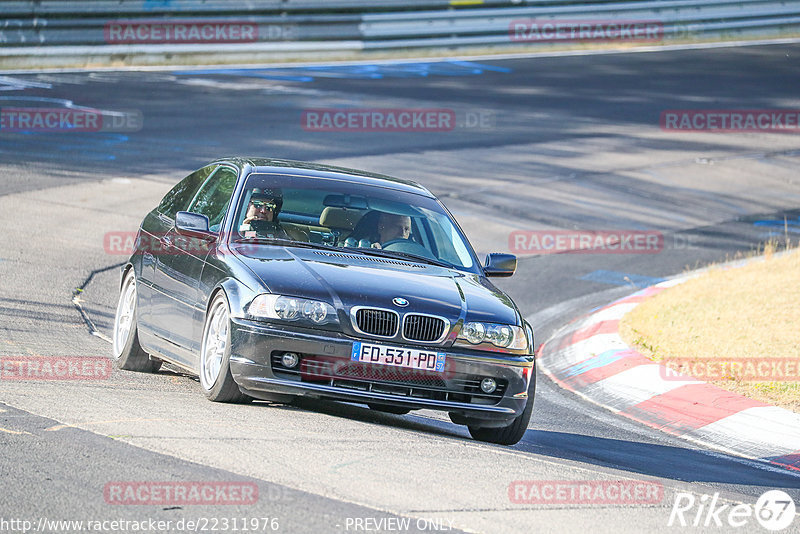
[193, 225]
[500, 264]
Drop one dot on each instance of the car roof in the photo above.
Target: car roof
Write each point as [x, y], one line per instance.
[330, 172]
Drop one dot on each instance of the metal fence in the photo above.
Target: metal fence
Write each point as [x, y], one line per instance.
[282, 26]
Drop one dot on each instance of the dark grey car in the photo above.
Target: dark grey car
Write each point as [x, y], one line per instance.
[273, 279]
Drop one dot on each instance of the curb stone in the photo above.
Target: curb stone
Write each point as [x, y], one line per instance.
[589, 358]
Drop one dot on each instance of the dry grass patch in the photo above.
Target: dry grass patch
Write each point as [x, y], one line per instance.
[747, 312]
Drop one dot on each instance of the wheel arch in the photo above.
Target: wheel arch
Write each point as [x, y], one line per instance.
[224, 388]
[236, 293]
[124, 270]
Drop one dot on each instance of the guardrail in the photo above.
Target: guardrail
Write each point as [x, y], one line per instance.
[127, 28]
[205, 7]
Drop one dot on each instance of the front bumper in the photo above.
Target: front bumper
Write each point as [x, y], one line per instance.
[326, 371]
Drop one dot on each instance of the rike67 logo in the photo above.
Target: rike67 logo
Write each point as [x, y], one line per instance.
[774, 510]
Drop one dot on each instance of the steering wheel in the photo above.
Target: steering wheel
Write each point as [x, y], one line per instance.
[409, 246]
[397, 242]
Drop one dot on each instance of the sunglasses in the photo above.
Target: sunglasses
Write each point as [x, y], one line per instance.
[263, 204]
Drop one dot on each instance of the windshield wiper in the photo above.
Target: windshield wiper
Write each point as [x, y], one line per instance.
[399, 255]
[282, 242]
[367, 251]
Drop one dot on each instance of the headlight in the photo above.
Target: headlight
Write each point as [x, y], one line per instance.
[474, 332]
[292, 309]
[500, 335]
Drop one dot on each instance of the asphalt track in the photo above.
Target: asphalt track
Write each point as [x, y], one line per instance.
[560, 143]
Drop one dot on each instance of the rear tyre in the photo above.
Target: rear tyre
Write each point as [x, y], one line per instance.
[511, 434]
[126, 351]
[215, 353]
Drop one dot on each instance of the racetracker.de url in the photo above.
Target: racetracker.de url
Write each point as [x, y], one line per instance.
[201, 524]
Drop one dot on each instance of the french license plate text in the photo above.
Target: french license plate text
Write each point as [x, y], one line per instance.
[401, 357]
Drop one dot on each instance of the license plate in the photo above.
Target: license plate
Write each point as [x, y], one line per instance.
[397, 356]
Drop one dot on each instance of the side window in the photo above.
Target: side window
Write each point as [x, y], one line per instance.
[214, 196]
[449, 245]
[418, 234]
[179, 197]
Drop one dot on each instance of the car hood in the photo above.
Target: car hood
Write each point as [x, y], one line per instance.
[347, 280]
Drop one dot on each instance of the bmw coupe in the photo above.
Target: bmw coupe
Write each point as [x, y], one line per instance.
[273, 279]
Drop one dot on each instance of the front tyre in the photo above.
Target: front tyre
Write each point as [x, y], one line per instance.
[511, 434]
[126, 351]
[215, 352]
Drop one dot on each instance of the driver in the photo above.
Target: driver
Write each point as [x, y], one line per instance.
[392, 227]
[262, 213]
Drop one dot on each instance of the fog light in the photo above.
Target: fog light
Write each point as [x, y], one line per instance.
[488, 385]
[290, 360]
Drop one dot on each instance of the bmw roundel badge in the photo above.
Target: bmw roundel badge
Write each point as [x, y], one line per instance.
[400, 301]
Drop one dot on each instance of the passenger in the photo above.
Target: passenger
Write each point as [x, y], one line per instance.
[262, 213]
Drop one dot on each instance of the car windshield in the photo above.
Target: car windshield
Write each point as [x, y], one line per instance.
[331, 213]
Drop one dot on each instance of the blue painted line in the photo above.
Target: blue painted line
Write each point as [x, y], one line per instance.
[778, 224]
[346, 71]
[87, 145]
[778, 228]
[153, 4]
[362, 71]
[247, 73]
[422, 70]
[114, 139]
[621, 279]
[483, 66]
[601, 360]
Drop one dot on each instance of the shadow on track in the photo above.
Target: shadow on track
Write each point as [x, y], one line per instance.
[676, 463]
[648, 459]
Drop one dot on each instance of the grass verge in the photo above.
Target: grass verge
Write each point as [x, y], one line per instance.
[743, 313]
